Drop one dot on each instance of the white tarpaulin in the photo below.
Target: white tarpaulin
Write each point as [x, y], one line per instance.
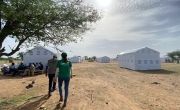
[75, 59]
[37, 55]
[140, 59]
[104, 59]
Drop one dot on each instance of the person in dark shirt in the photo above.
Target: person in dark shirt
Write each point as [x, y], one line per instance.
[12, 69]
[21, 66]
[50, 72]
[37, 66]
[41, 66]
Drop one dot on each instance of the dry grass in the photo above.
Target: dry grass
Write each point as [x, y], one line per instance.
[7, 61]
[171, 67]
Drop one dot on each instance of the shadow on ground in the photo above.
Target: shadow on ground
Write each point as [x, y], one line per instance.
[2, 77]
[59, 107]
[161, 71]
[33, 105]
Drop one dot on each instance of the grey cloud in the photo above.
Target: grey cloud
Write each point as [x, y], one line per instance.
[131, 6]
[106, 46]
[157, 19]
[164, 14]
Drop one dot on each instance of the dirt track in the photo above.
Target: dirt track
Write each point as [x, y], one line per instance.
[104, 87]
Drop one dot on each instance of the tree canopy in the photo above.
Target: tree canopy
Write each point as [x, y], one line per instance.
[175, 56]
[49, 21]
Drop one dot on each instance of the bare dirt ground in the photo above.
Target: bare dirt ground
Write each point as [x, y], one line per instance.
[97, 87]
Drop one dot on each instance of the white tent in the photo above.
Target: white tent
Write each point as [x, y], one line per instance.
[140, 59]
[75, 59]
[104, 59]
[37, 55]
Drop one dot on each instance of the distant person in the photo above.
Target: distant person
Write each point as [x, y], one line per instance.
[41, 67]
[29, 65]
[37, 66]
[32, 70]
[63, 73]
[21, 66]
[5, 69]
[12, 69]
[50, 72]
[34, 64]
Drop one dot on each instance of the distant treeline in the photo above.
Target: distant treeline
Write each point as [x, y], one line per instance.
[90, 59]
[174, 57]
[10, 59]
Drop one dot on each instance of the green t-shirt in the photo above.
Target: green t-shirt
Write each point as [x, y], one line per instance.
[64, 69]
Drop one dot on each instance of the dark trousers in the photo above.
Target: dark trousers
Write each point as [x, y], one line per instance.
[52, 84]
[66, 87]
[13, 71]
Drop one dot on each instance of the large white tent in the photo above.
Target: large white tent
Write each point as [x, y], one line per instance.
[140, 59]
[37, 55]
[75, 59]
[104, 59]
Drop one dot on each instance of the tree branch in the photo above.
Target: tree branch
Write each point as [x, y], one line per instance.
[14, 50]
[21, 41]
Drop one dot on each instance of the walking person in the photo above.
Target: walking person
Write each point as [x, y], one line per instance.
[50, 72]
[63, 73]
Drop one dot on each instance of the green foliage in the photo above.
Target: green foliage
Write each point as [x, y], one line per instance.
[86, 57]
[20, 55]
[15, 101]
[94, 58]
[175, 56]
[49, 21]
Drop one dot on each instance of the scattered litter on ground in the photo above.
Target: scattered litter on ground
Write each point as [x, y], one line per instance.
[155, 83]
[33, 82]
[29, 86]
[73, 75]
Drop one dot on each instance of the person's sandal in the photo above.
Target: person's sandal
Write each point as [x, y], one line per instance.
[64, 105]
[49, 94]
[61, 99]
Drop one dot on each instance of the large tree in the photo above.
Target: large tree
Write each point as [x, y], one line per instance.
[49, 21]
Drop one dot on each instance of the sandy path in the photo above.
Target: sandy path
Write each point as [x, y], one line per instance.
[108, 87]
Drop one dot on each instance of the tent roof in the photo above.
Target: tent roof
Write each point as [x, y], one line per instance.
[104, 57]
[76, 57]
[135, 50]
[40, 47]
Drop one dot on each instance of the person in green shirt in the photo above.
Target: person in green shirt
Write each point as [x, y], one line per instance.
[64, 74]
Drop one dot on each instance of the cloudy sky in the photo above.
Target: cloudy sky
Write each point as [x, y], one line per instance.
[130, 24]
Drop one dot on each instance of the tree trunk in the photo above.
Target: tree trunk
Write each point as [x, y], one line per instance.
[7, 29]
[0, 21]
[14, 50]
